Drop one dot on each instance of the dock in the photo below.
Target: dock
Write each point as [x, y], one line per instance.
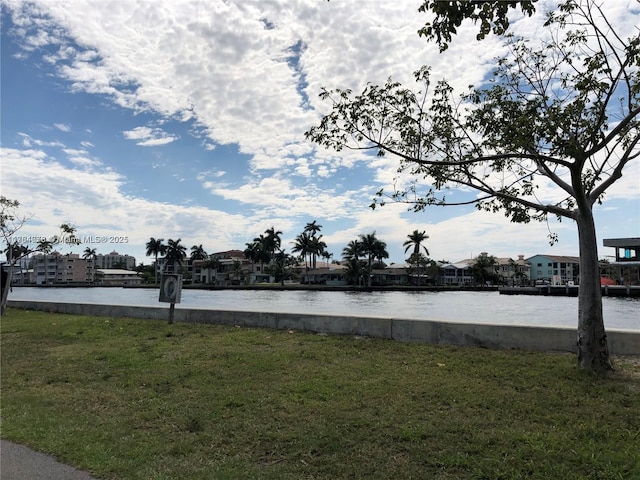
[572, 290]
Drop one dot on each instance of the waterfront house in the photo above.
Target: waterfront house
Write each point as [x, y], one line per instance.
[332, 275]
[513, 272]
[230, 267]
[117, 276]
[456, 274]
[504, 270]
[392, 275]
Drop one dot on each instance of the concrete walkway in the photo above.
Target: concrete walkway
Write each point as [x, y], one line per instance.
[18, 462]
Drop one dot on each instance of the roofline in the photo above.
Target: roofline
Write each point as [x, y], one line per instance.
[621, 242]
[557, 258]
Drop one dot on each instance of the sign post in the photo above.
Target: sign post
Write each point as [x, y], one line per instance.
[170, 291]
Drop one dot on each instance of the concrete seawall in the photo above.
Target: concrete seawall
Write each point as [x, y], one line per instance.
[423, 331]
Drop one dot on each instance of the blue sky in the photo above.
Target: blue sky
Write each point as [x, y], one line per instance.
[186, 120]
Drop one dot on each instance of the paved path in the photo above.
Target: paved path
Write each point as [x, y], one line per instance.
[18, 462]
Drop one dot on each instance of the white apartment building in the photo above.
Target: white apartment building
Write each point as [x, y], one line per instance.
[115, 260]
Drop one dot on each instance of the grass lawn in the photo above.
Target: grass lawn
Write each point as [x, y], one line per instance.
[136, 399]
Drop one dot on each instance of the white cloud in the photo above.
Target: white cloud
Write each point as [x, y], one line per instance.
[217, 65]
[28, 142]
[81, 158]
[203, 176]
[280, 198]
[149, 137]
[94, 201]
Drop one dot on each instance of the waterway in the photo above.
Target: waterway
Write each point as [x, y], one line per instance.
[455, 306]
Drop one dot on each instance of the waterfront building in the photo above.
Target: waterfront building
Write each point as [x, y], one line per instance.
[505, 270]
[626, 267]
[554, 269]
[456, 274]
[393, 275]
[513, 272]
[115, 260]
[333, 275]
[117, 276]
[57, 268]
[230, 267]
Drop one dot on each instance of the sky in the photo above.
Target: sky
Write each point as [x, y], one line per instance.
[186, 119]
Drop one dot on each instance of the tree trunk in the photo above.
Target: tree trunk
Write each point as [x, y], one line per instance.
[5, 290]
[155, 270]
[593, 352]
[7, 286]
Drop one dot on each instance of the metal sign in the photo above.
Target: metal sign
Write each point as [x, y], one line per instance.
[170, 288]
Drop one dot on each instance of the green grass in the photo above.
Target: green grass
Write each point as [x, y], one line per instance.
[132, 399]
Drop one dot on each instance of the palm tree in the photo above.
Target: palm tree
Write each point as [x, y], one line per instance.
[318, 247]
[263, 250]
[414, 241]
[302, 245]
[273, 241]
[484, 268]
[91, 253]
[355, 267]
[379, 253]
[327, 256]
[373, 248]
[312, 228]
[155, 247]
[251, 253]
[176, 253]
[281, 266]
[352, 250]
[198, 253]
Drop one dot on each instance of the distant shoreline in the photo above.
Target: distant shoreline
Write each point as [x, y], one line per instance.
[559, 290]
[296, 286]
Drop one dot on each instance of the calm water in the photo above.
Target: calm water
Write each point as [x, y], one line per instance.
[479, 307]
